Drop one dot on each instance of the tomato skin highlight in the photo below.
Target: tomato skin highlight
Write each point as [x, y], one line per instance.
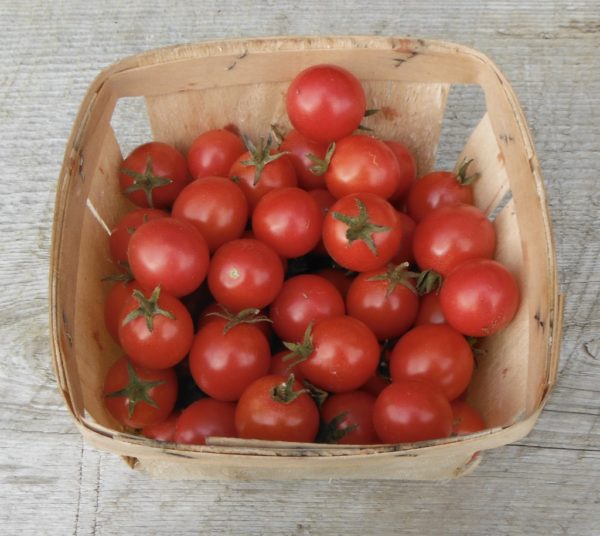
[205, 418]
[213, 153]
[430, 310]
[411, 411]
[479, 297]
[358, 409]
[259, 416]
[325, 103]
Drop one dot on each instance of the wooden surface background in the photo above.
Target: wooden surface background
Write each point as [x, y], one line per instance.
[52, 483]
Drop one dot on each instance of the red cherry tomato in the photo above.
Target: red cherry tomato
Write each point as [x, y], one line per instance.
[304, 299]
[325, 103]
[124, 229]
[136, 396]
[324, 200]
[213, 311]
[375, 384]
[155, 330]
[408, 169]
[410, 411]
[216, 207]
[430, 310]
[349, 418]
[205, 418]
[169, 253]
[405, 250]
[452, 235]
[362, 164]
[289, 220]
[440, 189]
[115, 299]
[281, 367]
[437, 354]
[245, 273]
[479, 297]
[308, 159]
[340, 279]
[465, 419]
[361, 232]
[276, 409]
[164, 430]
[153, 175]
[340, 354]
[223, 362]
[213, 153]
[385, 300]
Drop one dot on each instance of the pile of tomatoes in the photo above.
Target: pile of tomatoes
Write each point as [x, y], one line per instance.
[304, 287]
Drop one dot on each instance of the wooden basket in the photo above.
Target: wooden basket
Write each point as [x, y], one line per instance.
[191, 88]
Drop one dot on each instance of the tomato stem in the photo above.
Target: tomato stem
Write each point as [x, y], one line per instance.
[284, 392]
[397, 275]
[245, 316]
[428, 281]
[461, 175]
[331, 432]
[146, 181]
[260, 155]
[148, 308]
[300, 351]
[321, 165]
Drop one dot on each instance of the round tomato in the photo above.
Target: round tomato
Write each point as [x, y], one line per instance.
[375, 384]
[304, 299]
[284, 368]
[430, 310]
[324, 200]
[261, 170]
[124, 229]
[480, 297]
[385, 300]
[153, 175]
[115, 299]
[410, 411]
[362, 164]
[216, 207]
[341, 279]
[309, 159]
[244, 274]
[169, 253]
[213, 153]
[437, 354]
[213, 311]
[164, 430]
[289, 220]
[225, 359]
[136, 396]
[361, 232]
[452, 235]
[156, 331]
[405, 250]
[466, 419]
[205, 418]
[348, 418]
[440, 189]
[339, 354]
[275, 409]
[408, 169]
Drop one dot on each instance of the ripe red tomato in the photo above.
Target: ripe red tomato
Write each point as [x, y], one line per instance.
[362, 164]
[339, 354]
[405, 250]
[156, 331]
[169, 253]
[308, 158]
[410, 411]
[245, 273]
[284, 368]
[408, 169]
[324, 200]
[223, 362]
[430, 310]
[115, 299]
[440, 189]
[465, 419]
[289, 220]
[205, 418]
[273, 408]
[375, 384]
[361, 232]
[348, 418]
[213, 153]
[340, 279]
[164, 430]
[261, 170]
[124, 229]
[153, 175]
[325, 103]
[452, 235]
[437, 354]
[480, 297]
[216, 207]
[214, 311]
[385, 300]
[136, 396]
[304, 299]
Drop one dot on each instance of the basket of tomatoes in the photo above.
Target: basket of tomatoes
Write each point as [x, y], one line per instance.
[280, 284]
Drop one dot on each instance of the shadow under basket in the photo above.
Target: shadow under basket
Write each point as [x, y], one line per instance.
[191, 88]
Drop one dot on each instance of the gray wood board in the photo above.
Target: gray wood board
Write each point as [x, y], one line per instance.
[52, 483]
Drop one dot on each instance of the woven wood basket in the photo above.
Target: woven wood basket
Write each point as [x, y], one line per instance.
[191, 88]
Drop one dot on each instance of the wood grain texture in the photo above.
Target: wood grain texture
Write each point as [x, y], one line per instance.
[51, 483]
